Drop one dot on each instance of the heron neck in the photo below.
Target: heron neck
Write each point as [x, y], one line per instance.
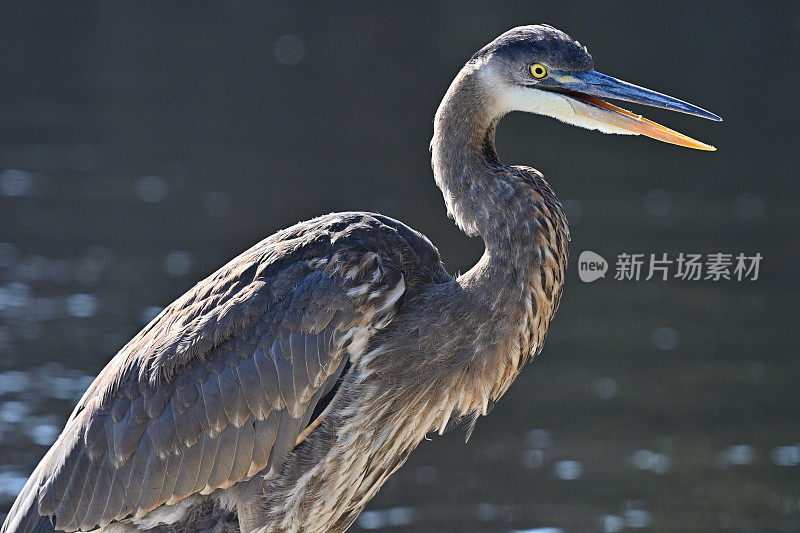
[512, 208]
[463, 154]
[516, 285]
[483, 196]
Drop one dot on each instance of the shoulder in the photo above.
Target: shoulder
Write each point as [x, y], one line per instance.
[362, 231]
[324, 262]
[342, 238]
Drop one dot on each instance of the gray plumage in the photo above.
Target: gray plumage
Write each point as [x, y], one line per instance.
[219, 386]
[282, 391]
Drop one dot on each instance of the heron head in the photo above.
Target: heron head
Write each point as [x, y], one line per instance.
[542, 70]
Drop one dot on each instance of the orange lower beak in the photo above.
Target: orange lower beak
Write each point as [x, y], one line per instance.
[600, 110]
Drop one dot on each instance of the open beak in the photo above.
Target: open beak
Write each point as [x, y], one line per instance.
[585, 88]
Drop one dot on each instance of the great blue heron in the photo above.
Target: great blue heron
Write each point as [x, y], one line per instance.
[282, 391]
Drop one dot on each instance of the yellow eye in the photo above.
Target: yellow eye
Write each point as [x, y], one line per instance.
[538, 71]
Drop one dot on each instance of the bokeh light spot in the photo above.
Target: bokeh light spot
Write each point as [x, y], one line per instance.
[665, 338]
[151, 189]
[82, 305]
[178, 263]
[15, 183]
[289, 49]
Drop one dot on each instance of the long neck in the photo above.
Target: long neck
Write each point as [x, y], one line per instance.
[506, 206]
[464, 159]
[512, 208]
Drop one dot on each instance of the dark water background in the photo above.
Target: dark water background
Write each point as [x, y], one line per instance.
[144, 144]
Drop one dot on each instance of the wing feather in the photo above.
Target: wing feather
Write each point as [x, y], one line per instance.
[85, 497]
[138, 411]
[285, 377]
[313, 367]
[185, 395]
[188, 473]
[65, 512]
[268, 375]
[196, 421]
[64, 468]
[251, 385]
[155, 402]
[223, 461]
[127, 434]
[265, 433]
[170, 478]
[219, 386]
[152, 483]
[233, 399]
[288, 429]
[99, 497]
[94, 438]
[133, 488]
[210, 445]
[162, 432]
[189, 426]
[245, 442]
[302, 381]
[116, 494]
[215, 411]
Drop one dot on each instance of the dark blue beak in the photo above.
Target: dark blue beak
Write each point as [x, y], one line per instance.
[597, 84]
[586, 88]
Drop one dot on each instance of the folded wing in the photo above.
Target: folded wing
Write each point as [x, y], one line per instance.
[219, 386]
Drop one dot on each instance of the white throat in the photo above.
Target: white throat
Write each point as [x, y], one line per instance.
[541, 102]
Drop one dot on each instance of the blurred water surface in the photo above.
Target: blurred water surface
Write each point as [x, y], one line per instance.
[142, 145]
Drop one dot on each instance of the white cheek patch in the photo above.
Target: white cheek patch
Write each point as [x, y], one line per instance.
[551, 104]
